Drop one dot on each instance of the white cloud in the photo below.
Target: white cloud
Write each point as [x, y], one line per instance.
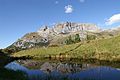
[82, 1]
[56, 2]
[68, 9]
[114, 19]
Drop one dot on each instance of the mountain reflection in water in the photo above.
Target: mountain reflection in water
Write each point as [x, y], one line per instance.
[37, 70]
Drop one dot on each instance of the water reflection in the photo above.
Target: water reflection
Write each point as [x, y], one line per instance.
[37, 70]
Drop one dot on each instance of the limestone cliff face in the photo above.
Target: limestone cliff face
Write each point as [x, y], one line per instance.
[69, 27]
[30, 40]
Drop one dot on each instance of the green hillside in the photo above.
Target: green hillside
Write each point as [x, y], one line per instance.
[101, 49]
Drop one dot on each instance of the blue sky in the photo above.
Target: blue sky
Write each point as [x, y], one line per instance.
[18, 17]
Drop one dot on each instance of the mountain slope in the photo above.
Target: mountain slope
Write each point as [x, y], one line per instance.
[102, 49]
[57, 35]
[61, 34]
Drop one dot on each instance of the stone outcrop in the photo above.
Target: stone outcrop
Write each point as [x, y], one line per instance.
[69, 27]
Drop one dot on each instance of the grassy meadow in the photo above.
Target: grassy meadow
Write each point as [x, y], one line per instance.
[101, 49]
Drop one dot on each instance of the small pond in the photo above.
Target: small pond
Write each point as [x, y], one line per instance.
[65, 70]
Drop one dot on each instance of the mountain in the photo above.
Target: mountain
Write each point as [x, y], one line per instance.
[86, 41]
[61, 34]
[55, 35]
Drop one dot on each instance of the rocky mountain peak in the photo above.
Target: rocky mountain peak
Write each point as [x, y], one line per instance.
[46, 34]
[68, 27]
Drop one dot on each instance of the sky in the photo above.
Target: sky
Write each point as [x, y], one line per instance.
[18, 17]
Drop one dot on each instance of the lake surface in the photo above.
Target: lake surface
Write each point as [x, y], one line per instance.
[65, 70]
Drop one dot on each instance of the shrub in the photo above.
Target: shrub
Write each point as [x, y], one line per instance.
[91, 37]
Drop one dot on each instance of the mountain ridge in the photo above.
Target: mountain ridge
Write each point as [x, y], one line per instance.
[46, 34]
[62, 34]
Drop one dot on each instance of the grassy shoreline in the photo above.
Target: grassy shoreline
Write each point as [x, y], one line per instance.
[101, 49]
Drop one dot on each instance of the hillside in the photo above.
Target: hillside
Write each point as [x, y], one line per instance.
[69, 40]
[101, 49]
[61, 34]
[56, 35]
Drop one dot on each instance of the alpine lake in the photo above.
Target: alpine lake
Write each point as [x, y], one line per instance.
[67, 69]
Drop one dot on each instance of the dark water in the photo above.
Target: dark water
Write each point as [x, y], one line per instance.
[57, 70]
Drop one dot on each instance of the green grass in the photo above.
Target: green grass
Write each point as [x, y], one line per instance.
[42, 52]
[101, 49]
